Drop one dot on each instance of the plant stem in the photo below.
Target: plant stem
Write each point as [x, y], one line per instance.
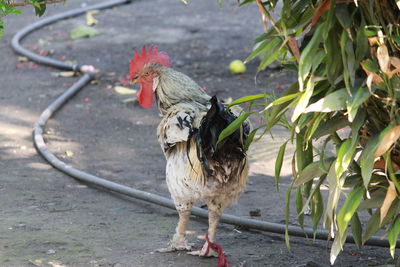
[26, 3]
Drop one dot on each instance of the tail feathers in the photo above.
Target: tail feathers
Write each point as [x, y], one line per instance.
[213, 123]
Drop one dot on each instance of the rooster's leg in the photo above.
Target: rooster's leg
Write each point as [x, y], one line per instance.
[213, 220]
[178, 241]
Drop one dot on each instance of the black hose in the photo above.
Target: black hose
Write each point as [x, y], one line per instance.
[101, 182]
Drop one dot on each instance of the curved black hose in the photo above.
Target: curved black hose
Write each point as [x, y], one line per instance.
[101, 182]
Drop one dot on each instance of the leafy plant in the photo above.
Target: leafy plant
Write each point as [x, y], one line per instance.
[346, 55]
[11, 7]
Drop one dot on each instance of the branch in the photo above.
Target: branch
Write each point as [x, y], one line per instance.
[26, 3]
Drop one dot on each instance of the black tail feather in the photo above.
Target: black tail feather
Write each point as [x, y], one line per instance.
[214, 122]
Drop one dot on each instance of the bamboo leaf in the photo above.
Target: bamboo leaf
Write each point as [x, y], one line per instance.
[287, 212]
[368, 155]
[312, 171]
[356, 229]
[299, 206]
[337, 246]
[303, 100]
[357, 100]
[330, 126]
[333, 102]
[389, 198]
[393, 234]
[278, 164]
[250, 139]
[388, 140]
[317, 208]
[233, 126]
[246, 99]
[372, 226]
[349, 207]
[307, 54]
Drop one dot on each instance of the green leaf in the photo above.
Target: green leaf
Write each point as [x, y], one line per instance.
[393, 234]
[272, 54]
[83, 32]
[370, 65]
[287, 212]
[246, 99]
[362, 46]
[307, 55]
[250, 139]
[312, 171]
[278, 164]
[39, 8]
[344, 157]
[303, 100]
[372, 226]
[277, 111]
[330, 126]
[375, 201]
[349, 207]
[299, 206]
[367, 157]
[233, 126]
[285, 99]
[356, 229]
[317, 208]
[333, 102]
[357, 100]
[1, 30]
[337, 246]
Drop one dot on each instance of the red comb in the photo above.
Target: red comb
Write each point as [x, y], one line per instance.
[152, 56]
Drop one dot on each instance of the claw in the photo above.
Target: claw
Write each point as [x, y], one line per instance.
[178, 243]
[204, 251]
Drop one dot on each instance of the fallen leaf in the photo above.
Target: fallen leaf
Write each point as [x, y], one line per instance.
[23, 59]
[86, 99]
[82, 32]
[90, 20]
[390, 196]
[124, 90]
[69, 153]
[65, 74]
[131, 99]
[383, 58]
[388, 140]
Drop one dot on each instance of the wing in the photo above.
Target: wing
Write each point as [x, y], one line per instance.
[178, 124]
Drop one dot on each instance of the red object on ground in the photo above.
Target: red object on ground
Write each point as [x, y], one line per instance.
[222, 260]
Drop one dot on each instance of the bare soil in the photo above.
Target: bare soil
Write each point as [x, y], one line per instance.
[50, 219]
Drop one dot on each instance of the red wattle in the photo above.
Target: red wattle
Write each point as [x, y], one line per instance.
[145, 95]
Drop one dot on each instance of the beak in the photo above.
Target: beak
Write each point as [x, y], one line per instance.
[134, 80]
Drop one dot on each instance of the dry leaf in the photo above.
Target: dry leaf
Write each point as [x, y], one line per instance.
[294, 48]
[321, 9]
[388, 140]
[124, 90]
[66, 74]
[373, 40]
[390, 196]
[90, 20]
[23, 59]
[383, 58]
[69, 153]
[395, 61]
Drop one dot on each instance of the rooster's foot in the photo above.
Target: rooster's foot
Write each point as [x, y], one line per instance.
[205, 251]
[176, 244]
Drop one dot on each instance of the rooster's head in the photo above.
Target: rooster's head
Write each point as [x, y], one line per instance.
[143, 69]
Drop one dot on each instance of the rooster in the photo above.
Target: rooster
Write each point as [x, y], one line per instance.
[198, 167]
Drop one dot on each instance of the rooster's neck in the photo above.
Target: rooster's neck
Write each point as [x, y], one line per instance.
[173, 87]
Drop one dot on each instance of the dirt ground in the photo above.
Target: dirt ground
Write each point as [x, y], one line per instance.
[50, 219]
